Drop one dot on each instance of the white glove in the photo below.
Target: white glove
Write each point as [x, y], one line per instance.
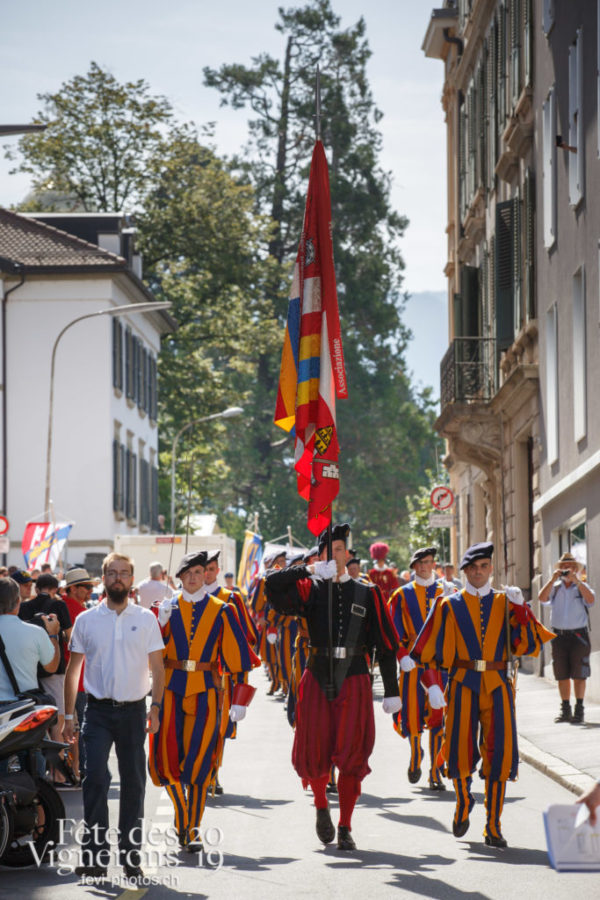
[407, 664]
[237, 713]
[164, 611]
[514, 594]
[272, 637]
[392, 705]
[436, 697]
[325, 570]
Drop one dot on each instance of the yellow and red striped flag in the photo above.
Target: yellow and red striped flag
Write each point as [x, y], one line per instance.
[312, 372]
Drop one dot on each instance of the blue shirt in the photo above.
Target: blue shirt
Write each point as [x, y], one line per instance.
[26, 646]
[569, 609]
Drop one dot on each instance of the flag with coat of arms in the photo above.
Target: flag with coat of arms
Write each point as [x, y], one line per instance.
[43, 542]
[313, 374]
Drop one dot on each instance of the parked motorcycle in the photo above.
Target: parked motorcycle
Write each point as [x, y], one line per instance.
[30, 807]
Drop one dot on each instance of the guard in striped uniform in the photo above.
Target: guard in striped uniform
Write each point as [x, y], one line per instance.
[203, 639]
[234, 598]
[334, 721]
[267, 646]
[409, 607]
[466, 634]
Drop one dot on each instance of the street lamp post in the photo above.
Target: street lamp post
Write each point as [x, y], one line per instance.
[225, 414]
[110, 311]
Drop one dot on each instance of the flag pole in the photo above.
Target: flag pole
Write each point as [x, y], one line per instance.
[330, 683]
[318, 105]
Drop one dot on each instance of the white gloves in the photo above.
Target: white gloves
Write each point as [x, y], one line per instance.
[271, 637]
[237, 713]
[392, 705]
[164, 611]
[325, 570]
[514, 594]
[407, 664]
[436, 697]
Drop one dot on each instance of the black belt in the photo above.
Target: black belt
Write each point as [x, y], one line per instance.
[561, 631]
[107, 701]
[338, 652]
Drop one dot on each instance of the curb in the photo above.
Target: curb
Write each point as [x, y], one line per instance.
[560, 771]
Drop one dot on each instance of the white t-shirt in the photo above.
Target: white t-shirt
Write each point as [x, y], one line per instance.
[116, 649]
[152, 591]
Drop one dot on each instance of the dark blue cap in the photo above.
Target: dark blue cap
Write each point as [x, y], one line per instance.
[483, 550]
[421, 553]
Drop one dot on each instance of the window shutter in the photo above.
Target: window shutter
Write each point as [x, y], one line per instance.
[528, 42]
[517, 266]
[501, 69]
[154, 383]
[154, 489]
[491, 117]
[462, 159]
[116, 479]
[529, 268]
[127, 473]
[504, 275]
[133, 459]
[515, 14]
[469, 283]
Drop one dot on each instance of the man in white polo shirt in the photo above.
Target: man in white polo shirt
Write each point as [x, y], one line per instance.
[118, 640]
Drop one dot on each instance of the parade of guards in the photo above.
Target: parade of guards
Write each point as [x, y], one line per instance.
[445, 658]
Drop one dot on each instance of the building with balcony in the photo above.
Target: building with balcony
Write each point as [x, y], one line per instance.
[517, 408]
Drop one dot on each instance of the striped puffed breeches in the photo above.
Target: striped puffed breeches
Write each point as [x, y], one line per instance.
[481, 726]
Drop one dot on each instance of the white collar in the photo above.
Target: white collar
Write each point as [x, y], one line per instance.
[425, 582]
[193, 598]
[478, 592]
[342, 579]
[210, 588]
[104, 608]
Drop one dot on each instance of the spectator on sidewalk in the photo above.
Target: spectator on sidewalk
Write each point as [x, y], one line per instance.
[120, 642]
[44, 603]
[153, 590]
[78, 591]
[26, 645]
[569, 599]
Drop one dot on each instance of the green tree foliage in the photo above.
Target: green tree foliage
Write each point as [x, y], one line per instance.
[99, 139]
[385, 428]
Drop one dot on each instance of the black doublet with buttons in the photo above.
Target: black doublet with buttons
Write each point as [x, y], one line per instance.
[293, 591]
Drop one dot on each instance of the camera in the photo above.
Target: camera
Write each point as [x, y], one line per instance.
[564, 573]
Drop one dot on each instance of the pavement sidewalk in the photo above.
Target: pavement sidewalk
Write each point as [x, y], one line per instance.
[570, 754]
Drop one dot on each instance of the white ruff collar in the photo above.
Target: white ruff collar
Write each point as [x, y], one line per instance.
[425, 582]
[193, 598]
[478, 592]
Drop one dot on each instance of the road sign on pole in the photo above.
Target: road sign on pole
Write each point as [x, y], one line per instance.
[442, 497]
[441, 520]
[4, 525]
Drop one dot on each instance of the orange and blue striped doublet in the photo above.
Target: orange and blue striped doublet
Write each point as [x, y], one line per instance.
[409, 607]
[299, 660]
[228, 728]
[467, 627]
[187, 742]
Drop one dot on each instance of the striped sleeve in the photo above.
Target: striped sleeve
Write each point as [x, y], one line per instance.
[236, 653]
[435, 645]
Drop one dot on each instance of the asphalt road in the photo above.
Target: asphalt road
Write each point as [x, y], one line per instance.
[264, 845]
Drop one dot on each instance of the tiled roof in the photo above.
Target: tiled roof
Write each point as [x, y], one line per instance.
[36, 246]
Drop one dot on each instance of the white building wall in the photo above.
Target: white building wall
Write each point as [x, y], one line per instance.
[85, 407]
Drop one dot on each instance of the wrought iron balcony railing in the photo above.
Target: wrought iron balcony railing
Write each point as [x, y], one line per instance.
[468, 371]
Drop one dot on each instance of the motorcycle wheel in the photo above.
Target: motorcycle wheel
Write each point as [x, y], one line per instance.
[5, 827]
[20, 854]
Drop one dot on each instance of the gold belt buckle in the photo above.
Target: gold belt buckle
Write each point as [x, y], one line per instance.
[189, 665]
[479, 665]
[339, 652]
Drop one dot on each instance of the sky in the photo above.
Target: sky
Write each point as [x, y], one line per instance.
[45, 44]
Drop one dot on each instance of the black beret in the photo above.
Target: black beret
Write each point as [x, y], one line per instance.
[190, 560]
[421, 553]
[483, 550]
[211, 556]
[338, 533]
[354, 559]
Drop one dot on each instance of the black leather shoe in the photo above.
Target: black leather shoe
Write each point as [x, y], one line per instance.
[324, 825]
[218, 788]
[183, 838]
[498, 842]
[460, 828]
[91, 871]
[195, 846]
[565, 714]
[344, 839]
[436, 785]
[331, 787]
[133, 873]
[414, 775]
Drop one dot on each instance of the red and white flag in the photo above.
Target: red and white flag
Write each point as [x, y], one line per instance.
[43, 542]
